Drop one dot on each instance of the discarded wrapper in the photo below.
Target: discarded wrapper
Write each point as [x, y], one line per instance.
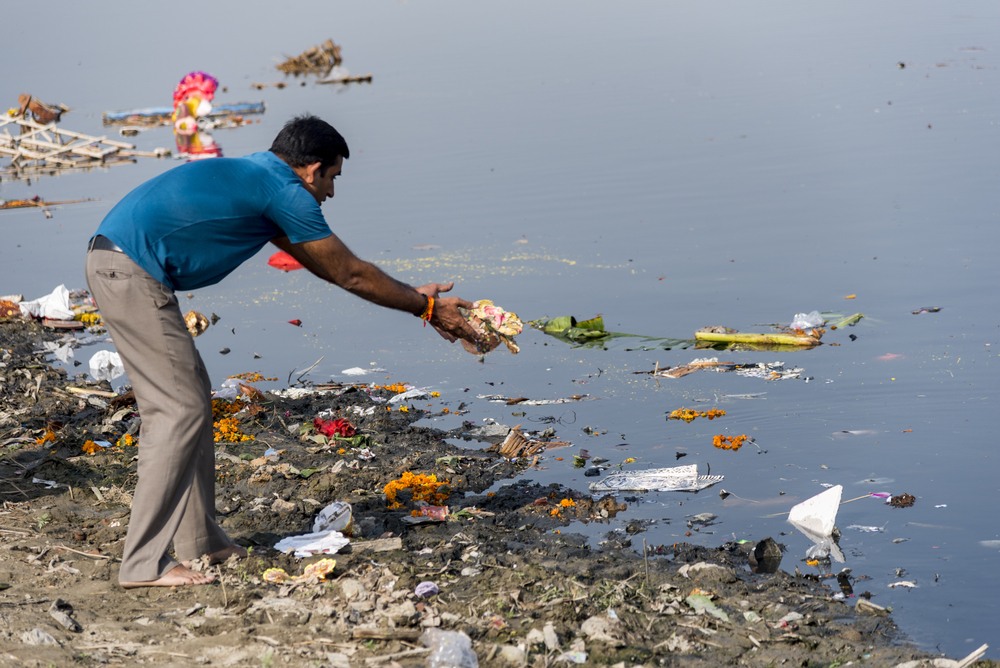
[674, 479]
[816, 519]
[494, 325]
[335, 517]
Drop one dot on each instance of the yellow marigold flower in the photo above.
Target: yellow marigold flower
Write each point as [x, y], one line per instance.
[342, 451]
[228, 430]
[556, 512]
[629, 460]
[435, 394]
[404, 409]
[126, 440]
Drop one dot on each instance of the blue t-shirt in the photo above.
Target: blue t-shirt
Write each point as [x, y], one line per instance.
[192, 225]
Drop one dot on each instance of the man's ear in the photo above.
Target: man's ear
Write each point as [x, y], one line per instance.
[308, 173]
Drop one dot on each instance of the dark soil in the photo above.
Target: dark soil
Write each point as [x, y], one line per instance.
[510, 573]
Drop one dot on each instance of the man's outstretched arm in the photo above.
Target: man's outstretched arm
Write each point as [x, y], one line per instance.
[330, 259]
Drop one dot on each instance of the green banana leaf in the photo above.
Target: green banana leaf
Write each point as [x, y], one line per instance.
[591, 334]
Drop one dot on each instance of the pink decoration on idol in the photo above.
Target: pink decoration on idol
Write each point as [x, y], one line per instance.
[195, 84]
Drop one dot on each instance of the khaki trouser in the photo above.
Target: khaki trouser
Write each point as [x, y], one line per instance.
[174, 502]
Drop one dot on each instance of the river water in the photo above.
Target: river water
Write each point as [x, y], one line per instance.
[666, 165]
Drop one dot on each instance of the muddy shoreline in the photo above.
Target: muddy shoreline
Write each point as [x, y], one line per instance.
[505, 567]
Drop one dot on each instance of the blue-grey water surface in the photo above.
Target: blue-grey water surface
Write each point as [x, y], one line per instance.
[668, 165]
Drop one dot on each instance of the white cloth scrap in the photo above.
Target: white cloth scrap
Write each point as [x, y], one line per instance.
[54, 305]
[309, 544]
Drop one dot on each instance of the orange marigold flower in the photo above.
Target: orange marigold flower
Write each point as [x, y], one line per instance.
[48, 437]
[567, 503]
[90, 447]
[729, 442]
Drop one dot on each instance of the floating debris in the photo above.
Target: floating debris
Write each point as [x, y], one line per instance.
[38, 110]
[762, 370]
[777, 339]
[674, 479]
[36, 202]
[318, 59]
[221, 115]
[46, 147]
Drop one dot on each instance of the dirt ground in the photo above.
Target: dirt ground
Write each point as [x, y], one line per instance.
[504, 569]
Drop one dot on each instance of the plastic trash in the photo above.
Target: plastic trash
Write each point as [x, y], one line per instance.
[674, 479]
[816, 518]
[106, 365]
[449, 649]
[335, 517]
[807, 320]
[817, 514]
[54, 305]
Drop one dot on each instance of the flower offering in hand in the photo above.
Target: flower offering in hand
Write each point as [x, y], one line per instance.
[494, 325]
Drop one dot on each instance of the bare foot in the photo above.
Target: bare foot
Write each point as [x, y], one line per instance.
[178, 576]
[220, 556]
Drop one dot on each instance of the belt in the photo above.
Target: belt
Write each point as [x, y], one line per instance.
[101, 242]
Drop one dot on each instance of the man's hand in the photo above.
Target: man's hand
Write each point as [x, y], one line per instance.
[446, 318]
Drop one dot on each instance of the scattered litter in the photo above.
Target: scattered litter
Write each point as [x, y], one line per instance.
[701, 603]
[106, 365]
[866, 529]
[55, 305]
[196, 323]
[521, 401]
[36, 202]
[494, 326]
[902, 501]
[38, 110]
[319, 59]
[816, 519]
[866, 607]
[48, 484]
[337, 516]
[591, 333]
[310, 544]
[415, 393]
[426, 589]
[44, 146]
[807, 320]
[339, 75]
[221, 115]
[717, 334]
[992, 544]
[312, 574]
[674, 479]
[516, 445]
[926, 309]
[904, 584]
[449, 649]
[762, 370]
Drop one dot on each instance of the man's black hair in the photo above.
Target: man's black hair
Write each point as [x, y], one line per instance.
[307, 139]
